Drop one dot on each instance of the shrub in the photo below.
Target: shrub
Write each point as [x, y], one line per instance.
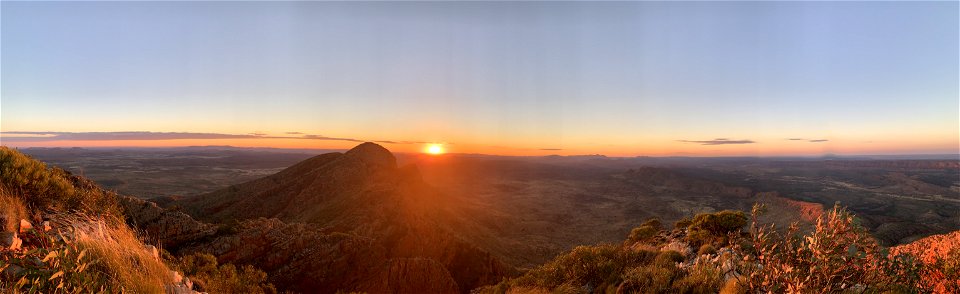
[701, 278]
[708, 228]
[209, 276]
[41, 187]
[648, 279]
[837, 255]
[645, 231]
[706, 249]
[668, 258]
[683, 223]
[732, 286]
[720, 223]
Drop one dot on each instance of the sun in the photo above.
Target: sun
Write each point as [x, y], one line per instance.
[434, 149]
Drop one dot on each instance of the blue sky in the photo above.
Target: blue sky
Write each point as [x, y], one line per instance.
[610, 77]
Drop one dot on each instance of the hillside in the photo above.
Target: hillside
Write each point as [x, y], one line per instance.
[408, 227]
[729, 252]
[62, 233]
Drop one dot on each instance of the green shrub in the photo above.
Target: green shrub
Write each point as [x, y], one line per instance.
[711, 228]
[668, 258]
[40, 187]
[648, 279]
[645, 231]
[209, 276]
[836, 255]
[719, 223]
[683, 223]
[701, 278]
[706, 249]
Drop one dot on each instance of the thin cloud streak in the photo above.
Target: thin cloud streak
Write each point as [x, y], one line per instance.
[18, 136]
[719, 141]
[809, 140]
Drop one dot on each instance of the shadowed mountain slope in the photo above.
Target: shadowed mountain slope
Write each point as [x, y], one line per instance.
[362, 192]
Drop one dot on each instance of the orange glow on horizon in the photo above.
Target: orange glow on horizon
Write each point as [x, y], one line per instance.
[662, 146]
[434, 149]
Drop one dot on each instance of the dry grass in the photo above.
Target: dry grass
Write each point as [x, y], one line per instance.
[12, 209]
[121, 256]
[82, 255]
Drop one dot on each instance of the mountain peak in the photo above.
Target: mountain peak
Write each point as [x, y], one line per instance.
[373, 154]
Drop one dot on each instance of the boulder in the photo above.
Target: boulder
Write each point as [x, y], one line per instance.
[25, 226]
[152, 250]
[177, 278]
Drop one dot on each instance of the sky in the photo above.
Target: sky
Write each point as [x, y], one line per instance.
[514, 78]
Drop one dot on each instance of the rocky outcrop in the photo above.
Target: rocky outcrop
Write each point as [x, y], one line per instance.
[930, 251]
[170, 228]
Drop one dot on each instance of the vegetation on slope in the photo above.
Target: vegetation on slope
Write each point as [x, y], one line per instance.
[81, 243]
[210, 276]
[838, 256]
[49, 188]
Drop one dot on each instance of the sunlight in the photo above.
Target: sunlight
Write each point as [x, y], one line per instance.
[434, 149]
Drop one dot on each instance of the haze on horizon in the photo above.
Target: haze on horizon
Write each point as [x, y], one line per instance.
[524, 78]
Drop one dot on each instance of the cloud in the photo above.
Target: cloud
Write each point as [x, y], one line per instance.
[809, 140]
[294, 133]
[320, 137]
[551, 149]
[719, 141]
[113, 136]
[121, 136]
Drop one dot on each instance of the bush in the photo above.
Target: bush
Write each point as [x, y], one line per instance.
[712, 228]
[720, 223]
[706, 249]
[209, 276]
[648, 279]
[40, 187]
[837, 255]
[683, 223]
[645, 231]
[701, 278]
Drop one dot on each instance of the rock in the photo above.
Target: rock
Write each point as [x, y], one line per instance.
[178, 289]
[152, 250]
[25, 226]
[177, 278]
[10, 241]
[678, 246]
[172, 228]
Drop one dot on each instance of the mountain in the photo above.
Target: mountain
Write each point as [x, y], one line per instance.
[358, 206]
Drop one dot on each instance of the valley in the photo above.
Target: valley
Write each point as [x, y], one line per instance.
[525, 210]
